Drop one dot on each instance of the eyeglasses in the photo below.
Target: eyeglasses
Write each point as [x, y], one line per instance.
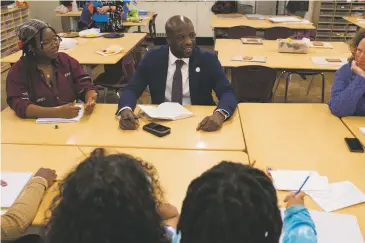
[56, 40]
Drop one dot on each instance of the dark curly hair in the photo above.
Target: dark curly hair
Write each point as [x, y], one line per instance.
[230, 203]
[360, 35]
[110, 199]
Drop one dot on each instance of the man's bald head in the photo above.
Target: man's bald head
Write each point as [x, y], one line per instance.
[176, 22]
[180, 36]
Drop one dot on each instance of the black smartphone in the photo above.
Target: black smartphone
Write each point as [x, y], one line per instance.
[157, 129]
[354, 145]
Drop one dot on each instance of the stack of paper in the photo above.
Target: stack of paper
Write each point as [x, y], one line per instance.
[255, 16]
[335, 227]
[62, 120]
[249, 59]
[339, 195]
[362, 129]
[283, 19]
[325, 62]
[15, 184]
[166, 111]
[291, 180]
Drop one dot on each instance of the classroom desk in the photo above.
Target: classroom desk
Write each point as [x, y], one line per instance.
[85, 51]
[305, 137]
[354, 123]
[102, 129]
[227, 48]
[226, 21]
[29, 158]
[176, 168]
[143, 22]
[354, 20]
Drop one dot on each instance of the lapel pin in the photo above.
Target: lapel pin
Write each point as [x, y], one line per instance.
[197, 70]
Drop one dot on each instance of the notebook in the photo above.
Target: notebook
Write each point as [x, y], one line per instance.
[291, 180]
[15, 184]
[249, 59]
[335, 227]
[339, 195]
[166, 111]
[62, 120]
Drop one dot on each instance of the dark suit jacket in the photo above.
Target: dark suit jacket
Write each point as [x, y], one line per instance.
[205, 74]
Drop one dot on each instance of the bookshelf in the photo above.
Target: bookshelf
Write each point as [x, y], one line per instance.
[10, 19]
[331, 26]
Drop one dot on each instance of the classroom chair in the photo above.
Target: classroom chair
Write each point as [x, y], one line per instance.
[253, 83]
[150, 40]
[238, 32]
[275, 33]
[117, 77]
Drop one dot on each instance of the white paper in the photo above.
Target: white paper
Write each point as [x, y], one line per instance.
[254, 59]
[248, 41]
[167, 111]
[62, 120]
[339, 195]
[67, 43]
[15, 184]
[362, 21]
[280, 19]
[255, 16]
[335, 227]
[326, 45]
[115, 49]
[362, 129]
[292, 180]
[322, 61]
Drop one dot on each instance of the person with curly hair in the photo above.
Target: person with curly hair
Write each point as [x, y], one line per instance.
[110, 198]
[348, 90]
[232, 202]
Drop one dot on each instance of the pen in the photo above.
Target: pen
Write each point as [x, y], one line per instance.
[300, 188]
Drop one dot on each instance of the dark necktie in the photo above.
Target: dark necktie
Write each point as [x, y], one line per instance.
[177, 84]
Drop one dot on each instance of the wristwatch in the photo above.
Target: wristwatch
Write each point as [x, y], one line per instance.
[223, 112]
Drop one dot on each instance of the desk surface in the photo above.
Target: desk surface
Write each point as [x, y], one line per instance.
[354, 20]
[306, 137]
[228, 48]
[102, 129]
[85, 51]
[224, 21]
[354, 123]
[175, 176]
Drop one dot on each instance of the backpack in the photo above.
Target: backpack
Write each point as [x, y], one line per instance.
[223, 7]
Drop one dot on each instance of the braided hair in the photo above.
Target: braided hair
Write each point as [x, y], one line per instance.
[107, 198]
[230, 203]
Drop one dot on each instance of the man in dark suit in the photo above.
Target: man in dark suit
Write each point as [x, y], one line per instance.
[179, 72]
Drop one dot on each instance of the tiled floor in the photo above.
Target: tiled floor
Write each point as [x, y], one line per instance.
[296, 93]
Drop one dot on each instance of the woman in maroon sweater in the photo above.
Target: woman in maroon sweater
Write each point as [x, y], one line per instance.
[45, 83]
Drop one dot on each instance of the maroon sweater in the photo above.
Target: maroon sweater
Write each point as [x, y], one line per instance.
[26, 85]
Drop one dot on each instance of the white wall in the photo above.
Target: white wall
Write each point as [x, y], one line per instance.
[44, 10]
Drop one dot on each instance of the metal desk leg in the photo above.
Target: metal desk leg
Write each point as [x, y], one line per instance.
[139, 29]
[89, 70]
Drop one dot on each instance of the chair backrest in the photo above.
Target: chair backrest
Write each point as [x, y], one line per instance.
[275, 33]
[152, 26]
[253, 83]
[238, 32]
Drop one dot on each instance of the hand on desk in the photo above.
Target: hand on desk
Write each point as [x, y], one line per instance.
[90, 101]
[68, 111]
[128, 120]
[292, 200]
[211, 123]
[48, 174]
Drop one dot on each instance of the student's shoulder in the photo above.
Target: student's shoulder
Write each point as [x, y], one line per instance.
[157, 52]
[64, 57]
[345, 69]
[19, 67]
[207, 57]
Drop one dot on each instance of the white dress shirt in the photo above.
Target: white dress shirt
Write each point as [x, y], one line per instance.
[185, 79]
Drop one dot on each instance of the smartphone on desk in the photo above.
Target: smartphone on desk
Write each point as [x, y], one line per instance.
[157, 129]
[354, 145]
